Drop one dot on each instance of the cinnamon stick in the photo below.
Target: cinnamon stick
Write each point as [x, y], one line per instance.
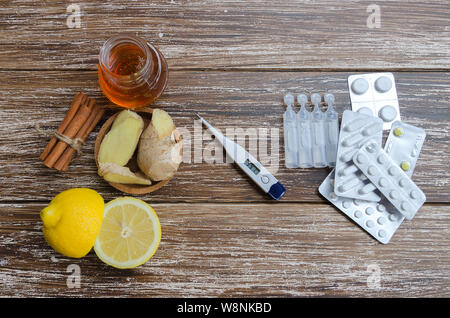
[79, 99]
[92, 121]
[59, 164]
[70, 132]
[91, 128]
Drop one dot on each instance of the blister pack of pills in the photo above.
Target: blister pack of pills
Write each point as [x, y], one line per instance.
[356, 130]
[375, 94]
[404, 144]
[380, 220]
[389, 178]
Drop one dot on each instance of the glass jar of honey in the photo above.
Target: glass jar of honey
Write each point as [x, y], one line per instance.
[131, 72]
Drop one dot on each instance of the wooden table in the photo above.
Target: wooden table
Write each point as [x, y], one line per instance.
[232, 62]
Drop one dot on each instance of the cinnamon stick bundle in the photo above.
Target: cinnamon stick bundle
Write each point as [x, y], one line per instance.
[81, 118]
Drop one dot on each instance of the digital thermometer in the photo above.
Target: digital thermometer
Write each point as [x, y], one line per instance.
[263, 178]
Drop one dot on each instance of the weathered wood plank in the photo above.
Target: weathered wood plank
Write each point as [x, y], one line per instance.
[240, 250]
[326, 34]
[227, 99]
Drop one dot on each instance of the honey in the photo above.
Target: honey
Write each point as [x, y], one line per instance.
[131, 72]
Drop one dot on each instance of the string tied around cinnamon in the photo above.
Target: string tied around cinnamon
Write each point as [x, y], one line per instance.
[75, 143]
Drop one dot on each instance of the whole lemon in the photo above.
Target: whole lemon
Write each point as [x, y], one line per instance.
[72, 221]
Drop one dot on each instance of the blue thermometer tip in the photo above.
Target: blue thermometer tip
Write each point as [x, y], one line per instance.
[277, 191]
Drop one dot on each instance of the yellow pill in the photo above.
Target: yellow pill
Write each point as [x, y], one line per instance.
[398, 132]
[405, 166]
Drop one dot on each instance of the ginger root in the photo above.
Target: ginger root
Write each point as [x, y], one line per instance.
[160, 147]
[162, 123]
[121, 141]
[114, 173]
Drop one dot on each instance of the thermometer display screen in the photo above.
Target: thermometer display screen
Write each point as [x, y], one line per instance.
[252, 167]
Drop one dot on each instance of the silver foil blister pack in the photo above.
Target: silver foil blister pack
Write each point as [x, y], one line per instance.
[404, 144]
[379, 219]
[389, 178]
[356, 129]
[375, 94]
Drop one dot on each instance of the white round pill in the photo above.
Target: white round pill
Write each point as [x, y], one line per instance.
[365, 111]
[414, 194]
[394, 195]
[405, 206]
[346, 204]
[381, 220]
[361, 158]
[387, 113]
[393, 217]
[333, 196]
[372, 170]
[381, 208]
[360, 86]
[370, 211]
[381, 159]
[370, 223]
[392, 171]
[383, 182]
[403, 183]
[381, 233]
[357, 214]
[357, 202]
[383, 84]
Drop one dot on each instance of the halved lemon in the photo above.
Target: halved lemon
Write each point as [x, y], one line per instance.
[130, 233]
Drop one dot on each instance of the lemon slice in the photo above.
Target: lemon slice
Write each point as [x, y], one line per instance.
[129, 235]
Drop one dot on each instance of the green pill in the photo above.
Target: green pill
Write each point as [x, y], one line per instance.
[398, 132]
[405, 166]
